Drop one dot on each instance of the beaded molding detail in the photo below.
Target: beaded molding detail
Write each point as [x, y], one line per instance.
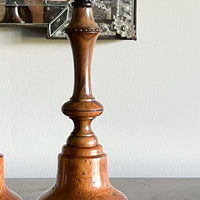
[90, 30]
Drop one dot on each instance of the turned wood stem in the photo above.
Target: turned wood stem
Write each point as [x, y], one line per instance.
[82, 107]
[82, 45]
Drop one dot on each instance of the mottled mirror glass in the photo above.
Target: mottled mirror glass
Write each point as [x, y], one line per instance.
[117, 18]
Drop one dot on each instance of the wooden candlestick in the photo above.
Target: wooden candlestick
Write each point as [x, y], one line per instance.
[82, 168]
[12, 14]
[5, 193]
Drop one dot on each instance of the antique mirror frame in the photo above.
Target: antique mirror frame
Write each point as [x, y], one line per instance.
[116, 18]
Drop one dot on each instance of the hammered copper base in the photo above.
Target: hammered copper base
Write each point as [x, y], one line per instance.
[82, 177]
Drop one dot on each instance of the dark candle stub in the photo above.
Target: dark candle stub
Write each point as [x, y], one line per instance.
[82, 3]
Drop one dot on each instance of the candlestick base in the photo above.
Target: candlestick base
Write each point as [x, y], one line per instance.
[82, 175]
[5, 192]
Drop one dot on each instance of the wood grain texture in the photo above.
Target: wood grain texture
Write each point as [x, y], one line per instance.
[82, 168]
[5, 193]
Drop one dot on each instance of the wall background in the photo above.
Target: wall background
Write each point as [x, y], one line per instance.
[150, 90]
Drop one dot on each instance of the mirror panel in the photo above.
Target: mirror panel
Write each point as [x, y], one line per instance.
[116, 18]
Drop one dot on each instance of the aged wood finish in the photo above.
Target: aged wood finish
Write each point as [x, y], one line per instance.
[82, 168]
[5, 193]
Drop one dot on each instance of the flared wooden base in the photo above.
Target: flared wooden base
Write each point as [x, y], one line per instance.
[5, 193]
[82, 177]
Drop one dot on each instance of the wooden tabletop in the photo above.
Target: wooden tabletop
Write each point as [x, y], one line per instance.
[134, 188]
